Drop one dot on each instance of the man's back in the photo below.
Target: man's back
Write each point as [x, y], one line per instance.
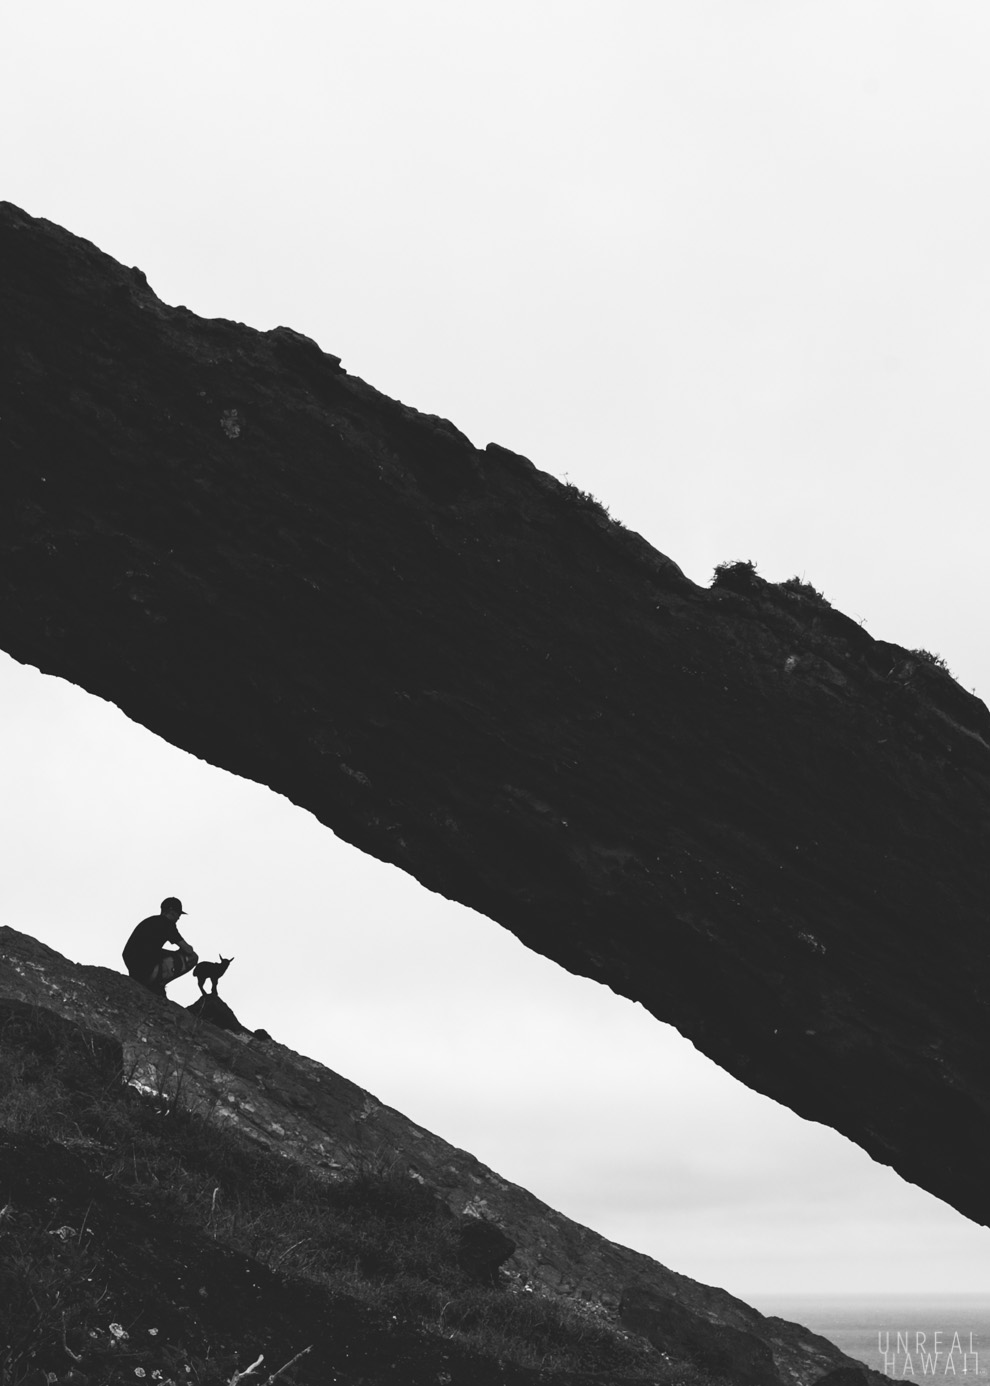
[147, 941]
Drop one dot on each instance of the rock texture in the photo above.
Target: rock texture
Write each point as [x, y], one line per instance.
[732, 804]
[680, 1333]
[210, 1007]
[292, 1105]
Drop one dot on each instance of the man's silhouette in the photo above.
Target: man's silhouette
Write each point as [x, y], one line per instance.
[145, 955]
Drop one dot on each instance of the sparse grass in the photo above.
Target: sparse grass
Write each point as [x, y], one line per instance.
[587, 501]
[738, 575]
[376, 1235]
[47, 1295]
[804, 589]
[935, 661]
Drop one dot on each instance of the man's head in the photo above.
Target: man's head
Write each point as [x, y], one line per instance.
[172, 908]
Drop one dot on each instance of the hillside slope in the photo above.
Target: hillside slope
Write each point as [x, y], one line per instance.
[253, 1094]
[732, 805]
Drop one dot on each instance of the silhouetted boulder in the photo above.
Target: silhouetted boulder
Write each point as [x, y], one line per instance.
[210, 1007]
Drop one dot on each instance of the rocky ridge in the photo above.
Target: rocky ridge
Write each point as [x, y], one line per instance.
[731, 804]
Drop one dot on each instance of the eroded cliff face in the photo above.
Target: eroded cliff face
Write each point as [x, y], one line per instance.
[732, 805]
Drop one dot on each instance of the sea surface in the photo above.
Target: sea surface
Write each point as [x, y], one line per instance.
[896, 1334]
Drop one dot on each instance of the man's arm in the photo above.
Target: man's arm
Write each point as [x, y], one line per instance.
[184, 947]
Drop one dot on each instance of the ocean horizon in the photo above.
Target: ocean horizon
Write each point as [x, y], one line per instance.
[914, 1337]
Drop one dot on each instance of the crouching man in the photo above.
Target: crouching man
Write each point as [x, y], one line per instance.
[148, 960]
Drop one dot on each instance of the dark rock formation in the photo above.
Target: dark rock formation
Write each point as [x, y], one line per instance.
[483, 1248]
[210, 1007]
[844, 1376]
[690, 1337]
[733, 804]
[289, 1104]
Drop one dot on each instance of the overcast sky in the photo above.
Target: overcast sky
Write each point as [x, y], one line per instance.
[723, 264]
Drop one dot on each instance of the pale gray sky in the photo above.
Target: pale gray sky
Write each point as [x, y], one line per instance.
[722, 264]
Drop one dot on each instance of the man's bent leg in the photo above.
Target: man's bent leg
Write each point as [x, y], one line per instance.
[153, 980]
[175, 965]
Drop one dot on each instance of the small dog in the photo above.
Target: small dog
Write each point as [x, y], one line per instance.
[212, 970]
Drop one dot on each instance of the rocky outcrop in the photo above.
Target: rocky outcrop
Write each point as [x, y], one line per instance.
[732, 805]
[209, 1007]
[681, 1334]
[294, 1106]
